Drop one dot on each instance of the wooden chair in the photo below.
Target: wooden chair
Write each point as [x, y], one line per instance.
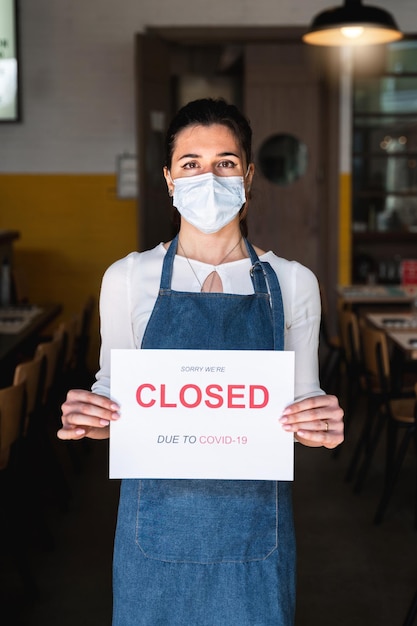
[69, 327]
[380, 392]
[50, 453]
[352, 356]
[76, 331]
[14, 516]
[52, 352]
[32, 374]
[68, 330]
[402, 414]
[12, 406]
[355, 333]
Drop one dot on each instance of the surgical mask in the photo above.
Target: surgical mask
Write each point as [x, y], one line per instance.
[209, 202]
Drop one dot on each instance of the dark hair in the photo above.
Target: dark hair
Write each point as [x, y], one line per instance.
[205, 112]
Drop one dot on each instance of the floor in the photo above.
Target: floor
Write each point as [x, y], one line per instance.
[350, 572]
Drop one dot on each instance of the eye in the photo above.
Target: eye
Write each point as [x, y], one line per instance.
[227, 164]
[190, 165]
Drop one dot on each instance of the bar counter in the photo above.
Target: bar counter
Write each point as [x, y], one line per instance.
[20, 330]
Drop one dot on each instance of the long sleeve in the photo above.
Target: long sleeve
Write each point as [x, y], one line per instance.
[302, 308]
[115, 319]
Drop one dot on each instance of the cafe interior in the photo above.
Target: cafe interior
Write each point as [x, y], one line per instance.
[331, 94]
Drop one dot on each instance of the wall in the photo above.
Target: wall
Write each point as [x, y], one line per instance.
[72, 227]
[77, 71]
[57, 167]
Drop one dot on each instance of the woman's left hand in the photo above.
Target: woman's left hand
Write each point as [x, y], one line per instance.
[316, 421]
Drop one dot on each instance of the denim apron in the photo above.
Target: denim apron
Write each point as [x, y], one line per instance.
[207, 552]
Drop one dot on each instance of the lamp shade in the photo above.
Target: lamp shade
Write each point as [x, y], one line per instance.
[352, 24]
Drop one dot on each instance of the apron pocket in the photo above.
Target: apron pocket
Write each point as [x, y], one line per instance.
[207, 521]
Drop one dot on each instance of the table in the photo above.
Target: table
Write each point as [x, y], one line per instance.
[23, 341]
[377, 294]
[406, 341]
[400, 328]
[400, 321]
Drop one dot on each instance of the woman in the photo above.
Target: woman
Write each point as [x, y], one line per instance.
[208, 552]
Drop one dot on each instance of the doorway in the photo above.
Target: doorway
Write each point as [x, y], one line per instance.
[286, 90]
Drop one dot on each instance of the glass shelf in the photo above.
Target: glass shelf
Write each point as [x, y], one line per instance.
[384, 159]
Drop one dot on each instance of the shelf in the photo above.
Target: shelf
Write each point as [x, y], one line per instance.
[384, 183]
[383, 194]
[377, 237]
[383, 155]
[396, 115]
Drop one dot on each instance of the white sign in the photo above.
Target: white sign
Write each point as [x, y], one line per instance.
[8, 62]
[127, 176]
[204, 414]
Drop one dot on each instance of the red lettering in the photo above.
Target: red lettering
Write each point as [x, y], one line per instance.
[191, 396]
[252, 390]
[164, 403]
[190, 405]
[139, 395]
[216, 396]
[231, 395]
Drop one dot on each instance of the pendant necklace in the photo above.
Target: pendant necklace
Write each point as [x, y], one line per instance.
[214, 271]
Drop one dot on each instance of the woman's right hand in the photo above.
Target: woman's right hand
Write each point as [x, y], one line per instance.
[86, 414]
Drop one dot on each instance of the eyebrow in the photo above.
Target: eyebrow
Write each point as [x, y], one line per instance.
[191, 155]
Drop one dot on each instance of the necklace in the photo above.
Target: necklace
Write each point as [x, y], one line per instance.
[213, 273]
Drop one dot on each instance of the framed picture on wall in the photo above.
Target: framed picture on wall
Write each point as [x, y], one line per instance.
[9, 62]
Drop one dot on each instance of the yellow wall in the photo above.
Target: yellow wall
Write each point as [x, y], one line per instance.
[72, 227]
[345, 226]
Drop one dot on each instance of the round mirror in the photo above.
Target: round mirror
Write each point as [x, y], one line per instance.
[282, 159]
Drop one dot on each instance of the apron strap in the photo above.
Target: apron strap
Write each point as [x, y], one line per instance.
[167, 267]
[260, 271]
[264, 281]
[276, 305]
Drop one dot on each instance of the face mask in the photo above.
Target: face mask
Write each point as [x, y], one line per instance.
[209, 202]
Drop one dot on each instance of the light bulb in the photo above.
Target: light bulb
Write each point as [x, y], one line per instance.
[352, 32]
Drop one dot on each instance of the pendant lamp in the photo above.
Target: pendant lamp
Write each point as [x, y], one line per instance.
[352, 24]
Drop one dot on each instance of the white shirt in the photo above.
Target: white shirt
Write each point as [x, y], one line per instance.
[130, 288]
